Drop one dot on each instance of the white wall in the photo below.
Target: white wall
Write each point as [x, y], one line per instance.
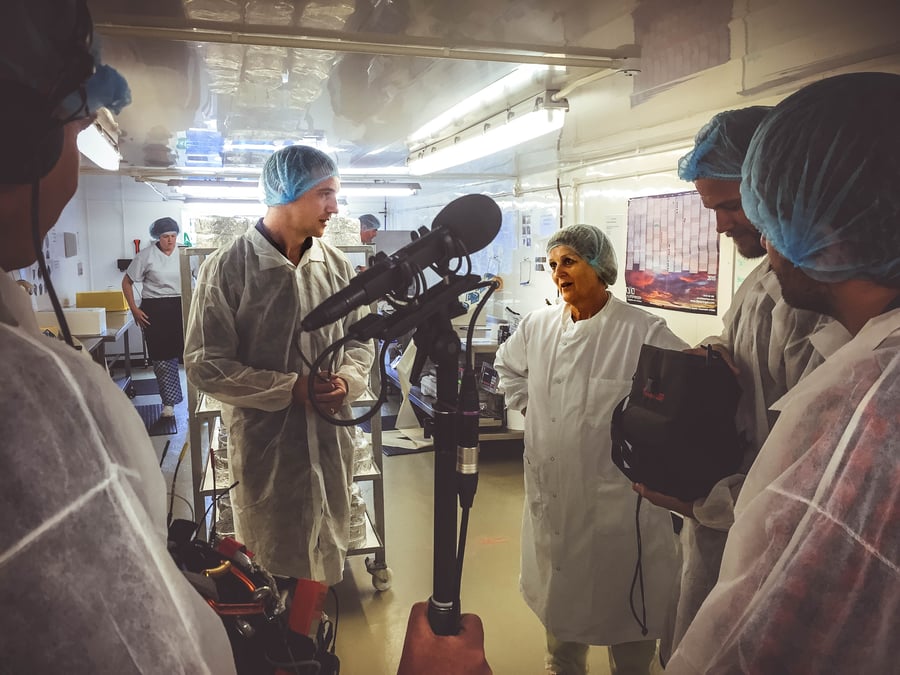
[69, 274]
[116, 210]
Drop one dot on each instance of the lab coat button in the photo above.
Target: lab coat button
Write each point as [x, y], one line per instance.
[553, 459]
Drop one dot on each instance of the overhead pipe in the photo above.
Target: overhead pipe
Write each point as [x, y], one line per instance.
[299, 37]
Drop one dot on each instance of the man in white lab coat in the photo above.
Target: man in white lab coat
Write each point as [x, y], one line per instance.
[809, 581]
[245, 347]
[569, 365]
[86, 582]
[765, 339]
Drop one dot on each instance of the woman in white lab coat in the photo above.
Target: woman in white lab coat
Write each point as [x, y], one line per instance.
[569, 365]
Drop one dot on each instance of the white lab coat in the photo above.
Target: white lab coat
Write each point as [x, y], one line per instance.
[579, 545]
[86, 582]
[810, 578]
[243, 347]
[771, 346]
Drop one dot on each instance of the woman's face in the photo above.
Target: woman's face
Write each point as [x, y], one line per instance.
[577, 281]
[167, 242]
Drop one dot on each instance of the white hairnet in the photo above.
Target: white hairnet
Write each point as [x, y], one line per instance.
[721, 145]
[292, 171]
[591, 244]
[821, 178]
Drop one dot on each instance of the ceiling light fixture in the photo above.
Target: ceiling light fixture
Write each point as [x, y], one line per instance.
[243, 190]
[100, 141]
[376, 171]
[249, 190]
[379, 189]
[529, 120]
[499, 92]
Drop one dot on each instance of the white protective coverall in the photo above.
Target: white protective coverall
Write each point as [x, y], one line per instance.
[86, 582]
[243, 345]
[579, 545]
[810, 579]
[771, 346]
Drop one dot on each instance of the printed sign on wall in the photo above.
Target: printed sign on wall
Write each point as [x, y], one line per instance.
[672, 253]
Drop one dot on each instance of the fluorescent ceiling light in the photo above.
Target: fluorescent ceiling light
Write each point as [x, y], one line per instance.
[246, 190]
[498, 92]
[500, 133]
[376, 171]
[379, 189]
[251, 145]
[99, 141]
[215, 190]
[207, 207]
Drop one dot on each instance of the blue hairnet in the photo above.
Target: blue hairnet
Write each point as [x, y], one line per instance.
[821, 178]
[37, 42]
[163, 226]
[369, 222]
[591, 244]
[292, 171]
[721, 145]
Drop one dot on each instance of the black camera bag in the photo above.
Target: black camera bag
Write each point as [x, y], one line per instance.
[675, 432]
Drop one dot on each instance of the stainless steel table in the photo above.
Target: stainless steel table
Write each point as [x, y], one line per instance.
[117, 325]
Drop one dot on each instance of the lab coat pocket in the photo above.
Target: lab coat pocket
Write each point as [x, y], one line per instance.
[603, 396]
[534, 487]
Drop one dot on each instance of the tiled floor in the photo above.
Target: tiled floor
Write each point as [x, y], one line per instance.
[372, 624]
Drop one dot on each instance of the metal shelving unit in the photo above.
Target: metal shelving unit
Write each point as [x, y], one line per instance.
[203, 412]
[375, 531]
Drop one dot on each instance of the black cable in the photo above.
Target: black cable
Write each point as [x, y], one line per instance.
[373, 410]
[211, 458]
[638, 573]
[175, 478]
[491, 286]
[37, 242]
[461, 552]
[187, 503]
[337, 614]
[165, 452]
[215, 498]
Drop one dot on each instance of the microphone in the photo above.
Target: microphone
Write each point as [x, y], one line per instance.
[465, 225]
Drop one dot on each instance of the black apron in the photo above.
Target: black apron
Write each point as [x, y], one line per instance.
[165, 334]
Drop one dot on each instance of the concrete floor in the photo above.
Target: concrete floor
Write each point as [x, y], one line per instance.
[372, 624]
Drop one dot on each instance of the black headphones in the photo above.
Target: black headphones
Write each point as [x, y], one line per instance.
[32, 122]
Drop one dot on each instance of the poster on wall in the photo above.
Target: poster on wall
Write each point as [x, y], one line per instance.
[672, 253]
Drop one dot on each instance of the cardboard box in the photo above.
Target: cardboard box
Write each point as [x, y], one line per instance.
[83, 321]
[111, 301]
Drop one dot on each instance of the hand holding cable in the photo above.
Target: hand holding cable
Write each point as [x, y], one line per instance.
[328, 390]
